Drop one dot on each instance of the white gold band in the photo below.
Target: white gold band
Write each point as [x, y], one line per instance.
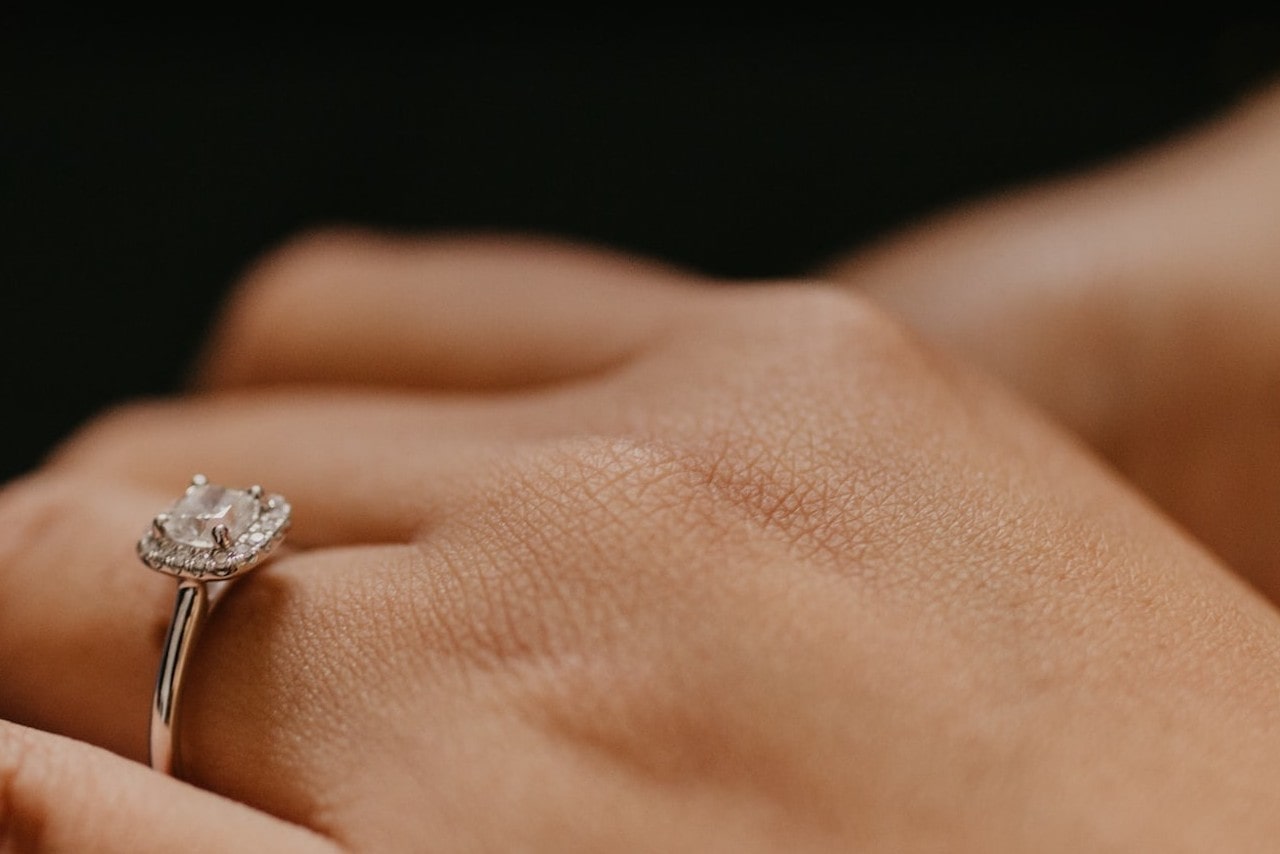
[210, 534]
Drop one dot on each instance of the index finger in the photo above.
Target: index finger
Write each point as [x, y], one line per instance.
[458, 313]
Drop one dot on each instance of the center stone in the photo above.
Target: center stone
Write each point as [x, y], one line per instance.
[192, 520]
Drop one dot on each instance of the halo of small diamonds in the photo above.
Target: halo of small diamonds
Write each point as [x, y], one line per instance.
[253, 537]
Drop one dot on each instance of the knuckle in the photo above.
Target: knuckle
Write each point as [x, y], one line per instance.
[820, 317]
[301, 260]
[283, 278]
[829, 384]
[801, 348]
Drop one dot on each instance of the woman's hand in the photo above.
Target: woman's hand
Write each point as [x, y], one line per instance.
[1140, 305]
[589, 555]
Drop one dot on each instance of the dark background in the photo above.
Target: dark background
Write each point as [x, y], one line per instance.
[140, 173]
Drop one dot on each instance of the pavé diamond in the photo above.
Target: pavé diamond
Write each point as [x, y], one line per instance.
[191, 521]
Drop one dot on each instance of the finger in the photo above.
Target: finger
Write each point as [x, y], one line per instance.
[467, 313]
[60, 795]
[81, 621]
[357, 468]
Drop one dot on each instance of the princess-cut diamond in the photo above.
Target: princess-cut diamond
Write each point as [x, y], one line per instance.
[191, 521]
[214, 532]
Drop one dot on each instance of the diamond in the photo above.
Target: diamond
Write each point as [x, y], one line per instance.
[191, 521]
[215, 530]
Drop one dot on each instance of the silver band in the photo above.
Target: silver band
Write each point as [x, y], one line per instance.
[188, 618]
[210, 534]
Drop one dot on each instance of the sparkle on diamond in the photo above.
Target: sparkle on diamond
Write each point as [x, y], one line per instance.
[191, 521]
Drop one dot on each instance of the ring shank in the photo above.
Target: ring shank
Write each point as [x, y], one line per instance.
[189, 610]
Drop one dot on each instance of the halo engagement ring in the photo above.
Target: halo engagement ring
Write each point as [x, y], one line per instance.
[211, 534]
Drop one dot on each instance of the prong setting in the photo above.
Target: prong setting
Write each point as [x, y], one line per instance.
[214, 532]
[259, 496]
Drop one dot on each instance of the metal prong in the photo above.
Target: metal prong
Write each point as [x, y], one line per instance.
[197, 480]
[157, 524]
[256, 492]
[221, 536]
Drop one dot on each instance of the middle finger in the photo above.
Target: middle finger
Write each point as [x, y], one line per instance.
[391, 458]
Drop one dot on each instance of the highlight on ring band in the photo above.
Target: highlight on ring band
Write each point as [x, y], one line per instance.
[213, 532]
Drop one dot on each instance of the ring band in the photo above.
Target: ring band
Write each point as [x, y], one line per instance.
[210, 534]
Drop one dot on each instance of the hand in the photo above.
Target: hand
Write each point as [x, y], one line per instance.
[590, 555]
[1140, 306]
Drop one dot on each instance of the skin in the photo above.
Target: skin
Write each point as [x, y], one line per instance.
[1140, 306]
[591, 554]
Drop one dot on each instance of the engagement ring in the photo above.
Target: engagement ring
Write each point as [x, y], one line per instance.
[211, 534]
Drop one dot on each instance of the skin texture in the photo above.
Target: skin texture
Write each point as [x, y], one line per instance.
[1140, 306]
[591, 554]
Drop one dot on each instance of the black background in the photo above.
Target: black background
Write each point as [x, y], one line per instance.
[139, 173]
